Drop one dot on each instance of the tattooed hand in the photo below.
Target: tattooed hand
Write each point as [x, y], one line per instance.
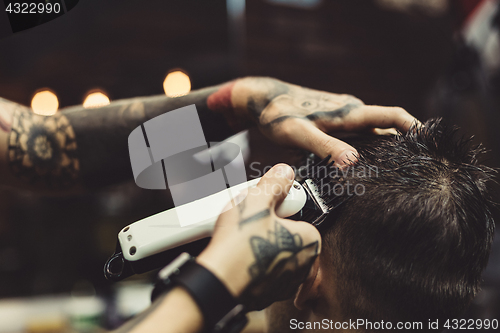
[260, 257]
[301, 117]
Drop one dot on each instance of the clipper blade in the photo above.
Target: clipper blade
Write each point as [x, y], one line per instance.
[321, 182]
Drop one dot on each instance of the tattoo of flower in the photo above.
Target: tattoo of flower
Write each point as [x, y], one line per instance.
[43, 150]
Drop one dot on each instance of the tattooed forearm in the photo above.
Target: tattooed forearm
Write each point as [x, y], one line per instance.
[102, 133]
[89, 146]
[4, 120]
[281, 259]
[255, 217]
[7, 110]
[85, 146]
[43, 150]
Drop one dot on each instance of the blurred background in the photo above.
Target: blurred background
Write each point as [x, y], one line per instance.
[432, 57]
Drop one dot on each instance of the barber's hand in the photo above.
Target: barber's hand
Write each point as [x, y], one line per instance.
[302, 117]
[260, 257]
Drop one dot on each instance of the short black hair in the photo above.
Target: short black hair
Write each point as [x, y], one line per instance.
[413, 243]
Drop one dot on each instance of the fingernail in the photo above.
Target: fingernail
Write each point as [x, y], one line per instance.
[348, 157]
[285, 170]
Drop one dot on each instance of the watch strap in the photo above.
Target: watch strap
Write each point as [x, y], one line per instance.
[221, 311]
[211, 295]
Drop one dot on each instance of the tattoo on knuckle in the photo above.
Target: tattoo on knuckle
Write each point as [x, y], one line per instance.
[333, 114]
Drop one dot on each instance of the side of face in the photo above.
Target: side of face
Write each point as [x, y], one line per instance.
[315, 301]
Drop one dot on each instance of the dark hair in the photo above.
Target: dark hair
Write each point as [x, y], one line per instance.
[414, 244]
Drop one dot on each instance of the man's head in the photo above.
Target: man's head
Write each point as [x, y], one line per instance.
[411, 244]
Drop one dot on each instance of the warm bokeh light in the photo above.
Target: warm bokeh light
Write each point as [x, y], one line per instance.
[95, 100]
[45, 103]
[177, 84]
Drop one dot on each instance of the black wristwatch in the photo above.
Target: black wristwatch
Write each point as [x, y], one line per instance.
[222, 313]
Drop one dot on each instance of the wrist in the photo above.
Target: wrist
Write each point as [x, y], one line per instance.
[221, 102]
[251, 95]
[175, 311]
[231, 273]
[220, 310]
[179, 298]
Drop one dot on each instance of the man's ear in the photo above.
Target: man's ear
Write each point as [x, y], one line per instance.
[309, 289]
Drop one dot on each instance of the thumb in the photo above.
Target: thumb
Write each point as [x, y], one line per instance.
[275, 184]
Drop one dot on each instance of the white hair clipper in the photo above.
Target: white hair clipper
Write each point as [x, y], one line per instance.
[149, 243]
[202, 182]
